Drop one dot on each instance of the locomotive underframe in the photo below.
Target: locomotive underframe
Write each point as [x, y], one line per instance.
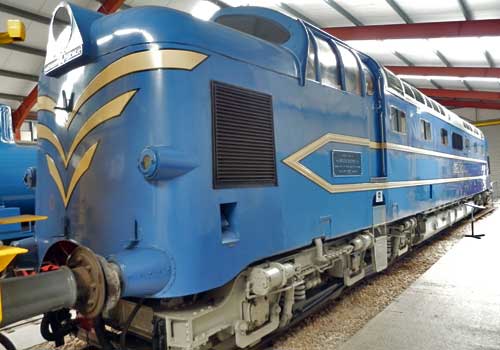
[267, 297]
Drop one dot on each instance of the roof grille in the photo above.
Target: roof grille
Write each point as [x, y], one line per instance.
[243, 137]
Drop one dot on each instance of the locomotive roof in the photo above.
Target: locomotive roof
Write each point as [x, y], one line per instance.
[296, 30]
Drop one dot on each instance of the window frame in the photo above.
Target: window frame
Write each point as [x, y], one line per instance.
[388, 74]
[360, 73]
[399, 115]
[367, 72]
[444, 137]
[271, 22]
[423, 132]
[408, 86]
[338, 63]
[421, 95]
[312, 47]
[453, 138]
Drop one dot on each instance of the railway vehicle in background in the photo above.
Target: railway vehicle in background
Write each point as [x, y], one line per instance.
[17, 161]
[209, 183]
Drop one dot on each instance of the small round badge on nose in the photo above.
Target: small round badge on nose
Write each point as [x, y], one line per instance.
[148, 163]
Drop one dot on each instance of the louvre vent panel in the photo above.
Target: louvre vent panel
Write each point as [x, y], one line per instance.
[243, 137]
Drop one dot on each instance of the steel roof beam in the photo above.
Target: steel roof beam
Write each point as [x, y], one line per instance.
[401, 13]
[487, 27]
[12, 97]
[110, 6]
[297, 14]
[467, 85]
[476, 95]
[489, 58]
[17, 75]
[435, 84]
[442, 58]
[447, 71]
[344, 12]
[465, 10]
[25, 14]
[403, 58]
[219, 3]
[490, 122]
[25, 49]
[469, 104]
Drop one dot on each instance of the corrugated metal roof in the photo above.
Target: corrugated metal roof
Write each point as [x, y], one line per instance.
[27, 57]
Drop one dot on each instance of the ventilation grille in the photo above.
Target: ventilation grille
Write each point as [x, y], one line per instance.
[243, 137]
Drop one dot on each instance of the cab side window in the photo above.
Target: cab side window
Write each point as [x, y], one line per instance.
[328, 64]
[369, 81]
[398, 120]
[351, 71]
[457, 141]
[311, 61]
[444, 137]
[425, 130]
[393, 82]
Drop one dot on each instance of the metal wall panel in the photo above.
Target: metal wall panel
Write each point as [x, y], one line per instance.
[492, 133]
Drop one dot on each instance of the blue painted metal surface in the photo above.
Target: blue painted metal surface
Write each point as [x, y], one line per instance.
[12, 232]
[122, 214]
[14, 160]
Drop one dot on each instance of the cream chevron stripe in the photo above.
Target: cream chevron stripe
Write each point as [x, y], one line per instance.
[56, 177]
[360, 141]
[137, 62]
[44, 133]
[409, 149]
[293, 161]
[80, 169]
[110, 110]
[45, 103]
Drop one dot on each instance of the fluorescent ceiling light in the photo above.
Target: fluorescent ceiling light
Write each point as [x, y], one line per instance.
[204, 10]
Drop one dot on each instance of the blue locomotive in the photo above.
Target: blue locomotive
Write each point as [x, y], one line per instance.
[15, 197]
[219, 179]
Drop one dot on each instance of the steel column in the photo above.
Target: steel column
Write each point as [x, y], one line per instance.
[447, 71]
[488, 27]
[469, 104]
[476, 95]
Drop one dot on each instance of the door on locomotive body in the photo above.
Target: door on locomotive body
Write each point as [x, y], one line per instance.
[346, 69]
[343, 68]
[376, 116]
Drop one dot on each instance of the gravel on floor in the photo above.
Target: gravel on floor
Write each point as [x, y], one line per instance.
[342, 318]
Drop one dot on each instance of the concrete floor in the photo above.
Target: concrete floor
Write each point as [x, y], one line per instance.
[454, 305]
[25, 334]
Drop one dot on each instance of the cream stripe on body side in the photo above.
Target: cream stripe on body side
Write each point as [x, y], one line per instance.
[110, 110]
[293, 161]
[137, 62]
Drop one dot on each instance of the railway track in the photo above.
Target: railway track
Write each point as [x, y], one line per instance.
[268, 342]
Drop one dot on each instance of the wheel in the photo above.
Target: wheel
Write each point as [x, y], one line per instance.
[6, 343]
